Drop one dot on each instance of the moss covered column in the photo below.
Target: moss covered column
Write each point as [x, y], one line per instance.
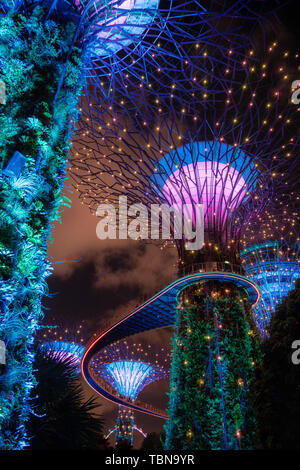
[215, 351]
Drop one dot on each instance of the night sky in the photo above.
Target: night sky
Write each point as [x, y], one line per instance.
[95, 281]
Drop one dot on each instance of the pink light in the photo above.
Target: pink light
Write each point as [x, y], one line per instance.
[217, 186]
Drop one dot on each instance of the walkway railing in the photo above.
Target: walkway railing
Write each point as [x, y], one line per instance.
[108, 388]
[210, 266]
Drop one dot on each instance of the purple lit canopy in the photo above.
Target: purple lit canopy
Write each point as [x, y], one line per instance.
[213, 174]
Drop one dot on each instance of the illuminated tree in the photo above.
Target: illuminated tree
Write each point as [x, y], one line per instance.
[64, 349]
[128, 368]
[65, 342]
[271, 255]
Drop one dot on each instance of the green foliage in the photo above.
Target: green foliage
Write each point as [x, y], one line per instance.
[277, 390]
[43, 80]
[62, 418]
[215, 349]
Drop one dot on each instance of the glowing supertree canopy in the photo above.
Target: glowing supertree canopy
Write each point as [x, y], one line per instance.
[64, 342]
[128, 376]
[224, 148]
[209, 173]
[63, 352]
[66, 350]
[129, 367]
[271, 256]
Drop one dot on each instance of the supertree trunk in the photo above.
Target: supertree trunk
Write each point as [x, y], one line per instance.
[215, 351]
[42, 73]
[125, 425]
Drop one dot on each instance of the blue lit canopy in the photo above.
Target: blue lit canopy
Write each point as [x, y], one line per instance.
[271, 254]
[129, 377]
[274, 266]
[125, 368]
[67, 349]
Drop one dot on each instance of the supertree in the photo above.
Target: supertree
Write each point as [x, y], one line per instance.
[218, 139]
[49, 51]
[64, 342]
[128, 368]
[271, 255]
[65, 349]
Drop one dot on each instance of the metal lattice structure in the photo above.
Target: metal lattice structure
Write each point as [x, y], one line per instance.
[118, 24]
[64, 342]
[271, 256]
[128, 368]
[225, 147]
[154, 35]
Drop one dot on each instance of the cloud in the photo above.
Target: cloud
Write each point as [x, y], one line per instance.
[116, 262]
[110, 277]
